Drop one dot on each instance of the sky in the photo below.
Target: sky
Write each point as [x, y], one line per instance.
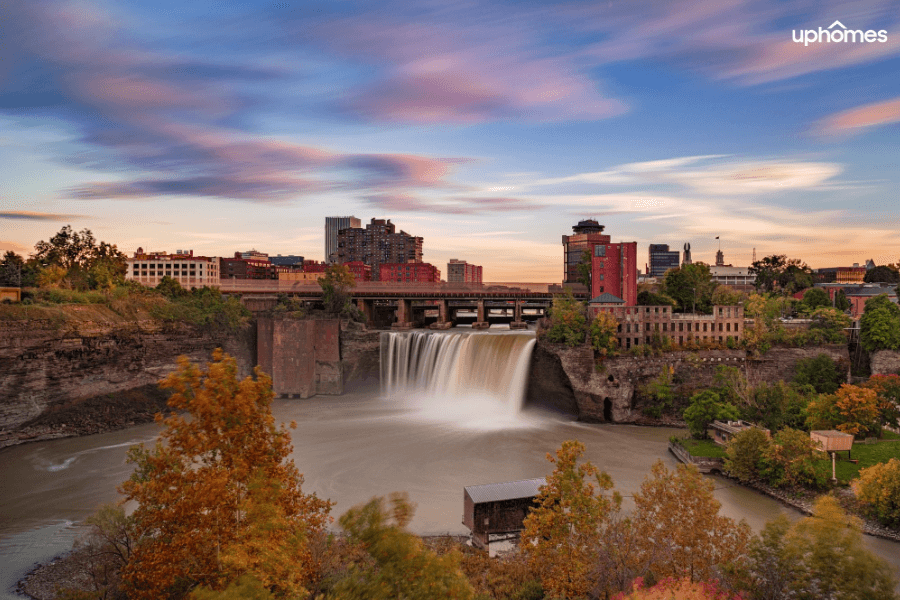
[489, 128]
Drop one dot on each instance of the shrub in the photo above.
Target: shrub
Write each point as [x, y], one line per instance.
[791, 460]
[878, 489]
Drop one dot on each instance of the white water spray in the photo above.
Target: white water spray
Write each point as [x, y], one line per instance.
[466, 377]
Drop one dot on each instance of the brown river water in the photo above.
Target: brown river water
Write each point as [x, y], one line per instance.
[351, 448]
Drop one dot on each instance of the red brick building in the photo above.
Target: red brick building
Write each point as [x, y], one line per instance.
[411, 272]
[613, 266]
[459, 271]
[379, 243]
[251, 268]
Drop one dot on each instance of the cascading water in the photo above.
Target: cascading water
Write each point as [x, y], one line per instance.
[461, 376]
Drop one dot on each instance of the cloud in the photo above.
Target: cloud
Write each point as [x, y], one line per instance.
[21, 215]
[13, 246]
[861, 118]
[459, 205]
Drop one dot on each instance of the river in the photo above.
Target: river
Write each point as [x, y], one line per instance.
[350, 448]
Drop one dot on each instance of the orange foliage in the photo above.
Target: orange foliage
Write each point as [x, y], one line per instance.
[217, 496]
[678, 589]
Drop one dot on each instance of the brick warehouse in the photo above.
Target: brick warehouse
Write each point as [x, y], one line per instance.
[613, 266]
[640, 324]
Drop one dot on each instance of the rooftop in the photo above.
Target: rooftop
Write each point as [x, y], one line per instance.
[607, 298]
[509, 490]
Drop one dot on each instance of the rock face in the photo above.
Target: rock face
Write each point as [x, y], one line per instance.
[548, 384]
[610, 391]
[885, 362]
[360, 357]
[45, 364]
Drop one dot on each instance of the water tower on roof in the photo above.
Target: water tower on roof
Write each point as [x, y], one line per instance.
[587, 226]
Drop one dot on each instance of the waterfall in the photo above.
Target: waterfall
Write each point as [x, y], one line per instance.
[466, 373]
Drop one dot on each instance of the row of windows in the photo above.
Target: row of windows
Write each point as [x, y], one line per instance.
[629, 342]
[681, 327]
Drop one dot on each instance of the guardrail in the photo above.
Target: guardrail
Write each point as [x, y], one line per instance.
[365, 288]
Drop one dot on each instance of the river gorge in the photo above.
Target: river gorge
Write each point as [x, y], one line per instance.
[453, 409]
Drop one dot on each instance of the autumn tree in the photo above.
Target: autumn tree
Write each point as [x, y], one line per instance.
[852, 409]
[746, 454]
[567, 321]
[679, 589]
[336, 285]
[603, 333]
[217, 497]
[725, 295]
[888, 389]
[400, 566]
[561, 534]
[682, 533]
[878, 489]
[821, 556]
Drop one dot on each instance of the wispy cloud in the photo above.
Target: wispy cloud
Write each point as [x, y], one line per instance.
[21, 215]
[861, 118]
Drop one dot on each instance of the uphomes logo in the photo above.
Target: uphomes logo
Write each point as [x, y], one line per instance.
[838, 34]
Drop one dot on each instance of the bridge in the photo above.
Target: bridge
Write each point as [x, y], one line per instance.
[446, 299]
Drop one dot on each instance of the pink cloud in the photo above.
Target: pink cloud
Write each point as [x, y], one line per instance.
[863, 117]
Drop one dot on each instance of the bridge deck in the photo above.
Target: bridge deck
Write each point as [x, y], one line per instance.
[376, 290]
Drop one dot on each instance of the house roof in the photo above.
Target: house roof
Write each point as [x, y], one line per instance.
[509, 490]
[607, 298]
[870, 291]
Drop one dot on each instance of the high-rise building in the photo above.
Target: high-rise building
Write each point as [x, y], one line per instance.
[459, 271]
[613, 266]
[662, 259]
[332, 226]
[378, 243]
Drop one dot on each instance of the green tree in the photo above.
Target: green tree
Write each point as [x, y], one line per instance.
[648, 298]
[821, 372]
[399, 565]
[603, 333]
[832, 322]
[567, 321]
[217, 496]
[691, 287]
[244, 587]
[86, 264]
[880, 325]
[727, 296]
[814, 298]
[778, 405]
[840, 301]
[882, 274]
[171, 288]
[746, 452]
[878, 488]
[336, 285]
[706, 407]
[561, 535]
[584, 270]
[679, 527]
[791, 460]
[11, 267]
[778, 273]
[888, 389]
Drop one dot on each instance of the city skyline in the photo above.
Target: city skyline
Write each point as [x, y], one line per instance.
[488, 129]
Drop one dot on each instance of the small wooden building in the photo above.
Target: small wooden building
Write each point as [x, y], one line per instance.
[498, 508]
[11, 294]
[830, 440]
[723, 431]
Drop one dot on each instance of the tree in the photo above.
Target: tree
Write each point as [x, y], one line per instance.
[561, 534]
[85, 263]
[832, 322]
[691, 287]
[791, 460]
[171, 288]
[648, 298]
[705, 408]
[727, 296]
[336, 286]
[821, 372]
[603, 333]
[778, 273]
[567, 321]
[682, 533]
[680, 589]
[852, 409]
[584, 270]
[11, 267]
[814, 298]
[840, 301]
[888, 389]
[399, 565]
[217, 496]
[882, 274]
[779, 405]
[879, 326]
[823, 557]
[878, 488]
[746, 452]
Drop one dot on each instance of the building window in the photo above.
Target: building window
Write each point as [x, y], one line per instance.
[599, 250]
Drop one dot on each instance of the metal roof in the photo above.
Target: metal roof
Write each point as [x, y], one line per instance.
[509, 490]
[607, 298]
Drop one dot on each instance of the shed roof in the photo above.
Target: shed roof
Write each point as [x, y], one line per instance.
[607, 298]
[831, 433]
[508, 490]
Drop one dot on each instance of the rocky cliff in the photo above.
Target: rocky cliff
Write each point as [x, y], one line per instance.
[91, 352]
[885, 362]
[610, 391]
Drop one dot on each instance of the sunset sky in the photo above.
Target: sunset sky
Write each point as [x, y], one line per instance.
[488, 128]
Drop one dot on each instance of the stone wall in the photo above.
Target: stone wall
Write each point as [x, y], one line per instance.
[885, 362]
[45, 364]
[360, 357]
[610, 391]
[302, 356]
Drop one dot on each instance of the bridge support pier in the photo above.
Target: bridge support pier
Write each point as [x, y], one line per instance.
[518, 323]
[367, 307]
[443, 321]
[481, 322]
[404, 315]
